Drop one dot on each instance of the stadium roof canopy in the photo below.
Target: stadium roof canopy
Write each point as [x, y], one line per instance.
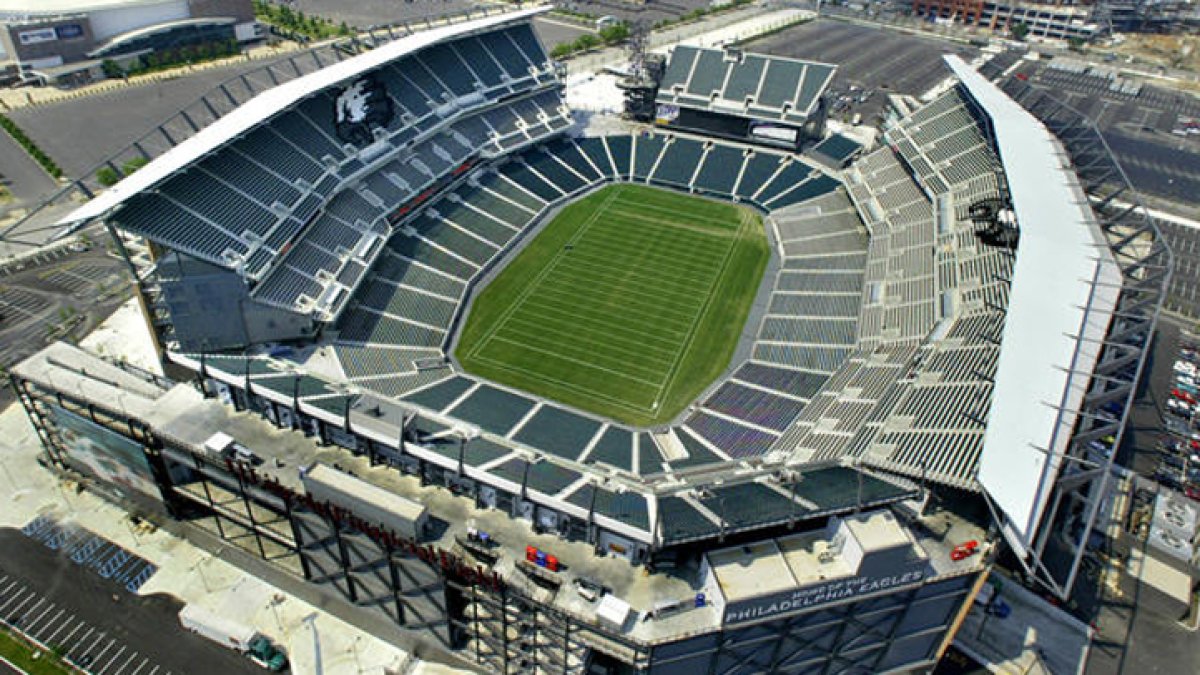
[270, 103]
[769, 88]
[1064, 287]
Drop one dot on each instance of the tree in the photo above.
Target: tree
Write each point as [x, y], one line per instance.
[134, 164]
[561, 50]
[107, 176]
[1019, 31]
[615, 33]
[111, 69]
[586, 41]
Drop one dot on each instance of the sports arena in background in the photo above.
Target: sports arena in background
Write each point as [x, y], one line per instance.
[447, 387]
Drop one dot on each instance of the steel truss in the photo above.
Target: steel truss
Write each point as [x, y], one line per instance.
[510, 631]
[1145, 262]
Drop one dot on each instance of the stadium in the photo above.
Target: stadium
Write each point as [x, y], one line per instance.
[649, 401]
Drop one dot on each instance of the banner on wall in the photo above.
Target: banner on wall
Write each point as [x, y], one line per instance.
[104, 454]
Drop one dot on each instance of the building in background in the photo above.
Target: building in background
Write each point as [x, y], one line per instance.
[58, 37]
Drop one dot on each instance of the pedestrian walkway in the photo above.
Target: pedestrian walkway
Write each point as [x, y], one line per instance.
[1018, 632]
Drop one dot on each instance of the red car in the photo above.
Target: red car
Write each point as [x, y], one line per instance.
[1192, 492]
[1183, 396]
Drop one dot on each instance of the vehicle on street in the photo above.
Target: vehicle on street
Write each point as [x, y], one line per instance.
[236, 636]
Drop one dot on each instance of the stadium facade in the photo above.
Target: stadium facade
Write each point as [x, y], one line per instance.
[950, 315]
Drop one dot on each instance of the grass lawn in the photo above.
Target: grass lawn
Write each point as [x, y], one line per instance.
[21, 654]
[627, 305]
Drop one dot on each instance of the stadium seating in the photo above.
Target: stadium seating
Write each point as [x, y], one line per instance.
[679, 162]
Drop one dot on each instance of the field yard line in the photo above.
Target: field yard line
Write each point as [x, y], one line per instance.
[706, 229]
[584, 364]
[684, 312]
[603, 238]
[688, 268]
[591, 263]
[643, 236]
[711, 212]
[640, 216]
[519, 332]
[552, 306]
[663, 273]
[585, 392]
[683, 253]
[718, 279]
[545, 271]
[636, 339]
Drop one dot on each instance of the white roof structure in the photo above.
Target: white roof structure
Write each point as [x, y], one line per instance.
[271, 102]
[53, 7]
[1064, 286]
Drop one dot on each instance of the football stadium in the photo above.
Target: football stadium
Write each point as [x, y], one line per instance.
[668, 398]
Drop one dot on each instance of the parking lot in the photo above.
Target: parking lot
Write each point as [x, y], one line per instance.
[61, 294]
[1146, 126]
[1175, 457]
[96, 623]
[877, 61]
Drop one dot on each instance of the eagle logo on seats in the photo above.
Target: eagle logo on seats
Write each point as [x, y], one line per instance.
[360, 109]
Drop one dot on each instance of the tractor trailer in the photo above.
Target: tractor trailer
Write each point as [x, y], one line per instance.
[236, 636]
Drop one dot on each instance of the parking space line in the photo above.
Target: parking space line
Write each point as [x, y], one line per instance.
[61, 626]
[125, 665]
[100, 636]
[4, 607]
[34, 608]
[93, 659]
[81, 624]
[86, 635]
[28, 628]
[111, 661]
[18, 608]
[140, 666]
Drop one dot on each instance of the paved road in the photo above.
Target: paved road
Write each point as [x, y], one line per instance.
[21, 176]
[66, 130]
[102, 627]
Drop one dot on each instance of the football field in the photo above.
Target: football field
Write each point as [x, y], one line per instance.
[628, 304]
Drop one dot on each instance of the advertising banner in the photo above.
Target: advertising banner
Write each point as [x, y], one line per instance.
[33, 37]
[69, 31]
[666, 114]
[105, 454]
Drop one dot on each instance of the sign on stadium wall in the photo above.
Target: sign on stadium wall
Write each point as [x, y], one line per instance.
[361, 108]
[33, 37]
[69, 31]
[774, 133]
[666, 113]
[837, 590]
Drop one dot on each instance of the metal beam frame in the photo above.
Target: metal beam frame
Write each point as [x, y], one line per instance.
[1145, 263]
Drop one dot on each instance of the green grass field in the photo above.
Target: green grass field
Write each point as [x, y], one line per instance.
[628, 304]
